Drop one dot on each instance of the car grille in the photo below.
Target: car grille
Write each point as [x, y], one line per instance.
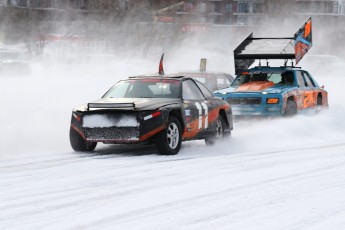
[119, 134]
[108, 127]
[244, 101]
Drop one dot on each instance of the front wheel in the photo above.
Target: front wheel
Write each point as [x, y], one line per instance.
[168, 141]
[291, 108]
[220, 132]
[78, 144]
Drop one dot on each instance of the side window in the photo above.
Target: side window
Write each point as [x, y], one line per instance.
[300, 79]
[308, 79]
[241, 80]
[222, 82]
[205, 91]
[190, 91]
[230, 77]
[201, 79]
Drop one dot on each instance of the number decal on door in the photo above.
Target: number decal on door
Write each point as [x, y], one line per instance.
[201, 106]
[206, 114]
[308, 99]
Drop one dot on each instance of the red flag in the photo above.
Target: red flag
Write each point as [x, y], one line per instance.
[161, 69]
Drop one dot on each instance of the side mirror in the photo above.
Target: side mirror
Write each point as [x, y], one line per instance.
[322, 87]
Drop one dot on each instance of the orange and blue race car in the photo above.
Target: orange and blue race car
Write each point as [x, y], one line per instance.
[273, 91]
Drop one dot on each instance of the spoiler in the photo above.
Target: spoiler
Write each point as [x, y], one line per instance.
[96, 106]
[285, 48]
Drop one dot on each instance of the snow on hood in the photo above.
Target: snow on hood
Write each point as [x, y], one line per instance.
[225, 91]
[103, 121]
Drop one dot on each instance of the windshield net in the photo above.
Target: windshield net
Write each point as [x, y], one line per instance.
[145, 88]
[278, 78]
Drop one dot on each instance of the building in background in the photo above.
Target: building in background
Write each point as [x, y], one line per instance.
[121, 20]
[226, 12]
[253, 12]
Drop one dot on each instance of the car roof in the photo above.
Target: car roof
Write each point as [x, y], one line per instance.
[203, 72]
[158, 76]
[269, 69]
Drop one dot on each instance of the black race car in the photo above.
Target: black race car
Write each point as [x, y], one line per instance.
[163, 110]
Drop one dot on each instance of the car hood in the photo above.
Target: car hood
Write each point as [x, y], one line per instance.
[254, 88]
[137, 104]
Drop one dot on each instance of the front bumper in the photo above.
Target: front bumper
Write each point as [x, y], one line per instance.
[257, 110]
[112, 134]
[116, 128]
[254, 104]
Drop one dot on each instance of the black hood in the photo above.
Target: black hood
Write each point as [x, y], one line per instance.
[137, 104]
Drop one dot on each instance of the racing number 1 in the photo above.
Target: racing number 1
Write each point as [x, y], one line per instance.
[201, 106]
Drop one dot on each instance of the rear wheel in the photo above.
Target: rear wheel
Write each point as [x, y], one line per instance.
[220, 132]
[79, 144]
[168, 141]
[319, 103]
[291, 108]
[319, 100]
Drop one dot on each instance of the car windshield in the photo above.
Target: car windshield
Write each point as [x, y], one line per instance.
[278, 78]
[145, 88]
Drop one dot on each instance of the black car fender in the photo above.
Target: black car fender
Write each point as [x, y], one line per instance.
[173, 110]
[227, 115]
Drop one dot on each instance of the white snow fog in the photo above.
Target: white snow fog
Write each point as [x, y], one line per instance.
[283, 173]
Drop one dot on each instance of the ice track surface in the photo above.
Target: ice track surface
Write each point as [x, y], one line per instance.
[273, 174]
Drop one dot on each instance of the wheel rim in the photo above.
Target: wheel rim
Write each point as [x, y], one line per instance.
[173, 135]
[219, 129]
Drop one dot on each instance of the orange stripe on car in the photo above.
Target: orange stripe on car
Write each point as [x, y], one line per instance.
[193, 125]
[78, 131]
[255, 86]
[151, 133]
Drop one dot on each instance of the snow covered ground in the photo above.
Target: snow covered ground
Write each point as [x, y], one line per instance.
[273, 174]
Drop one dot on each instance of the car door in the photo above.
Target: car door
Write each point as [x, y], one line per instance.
[303, 94]
[195, 110]
[311, 92]
[213, 105]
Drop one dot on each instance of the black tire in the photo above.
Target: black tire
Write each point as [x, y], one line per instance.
[79, 144]
[169, 140]
[291, 108]
[220, 133]
[319, 100]
[318, 103]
